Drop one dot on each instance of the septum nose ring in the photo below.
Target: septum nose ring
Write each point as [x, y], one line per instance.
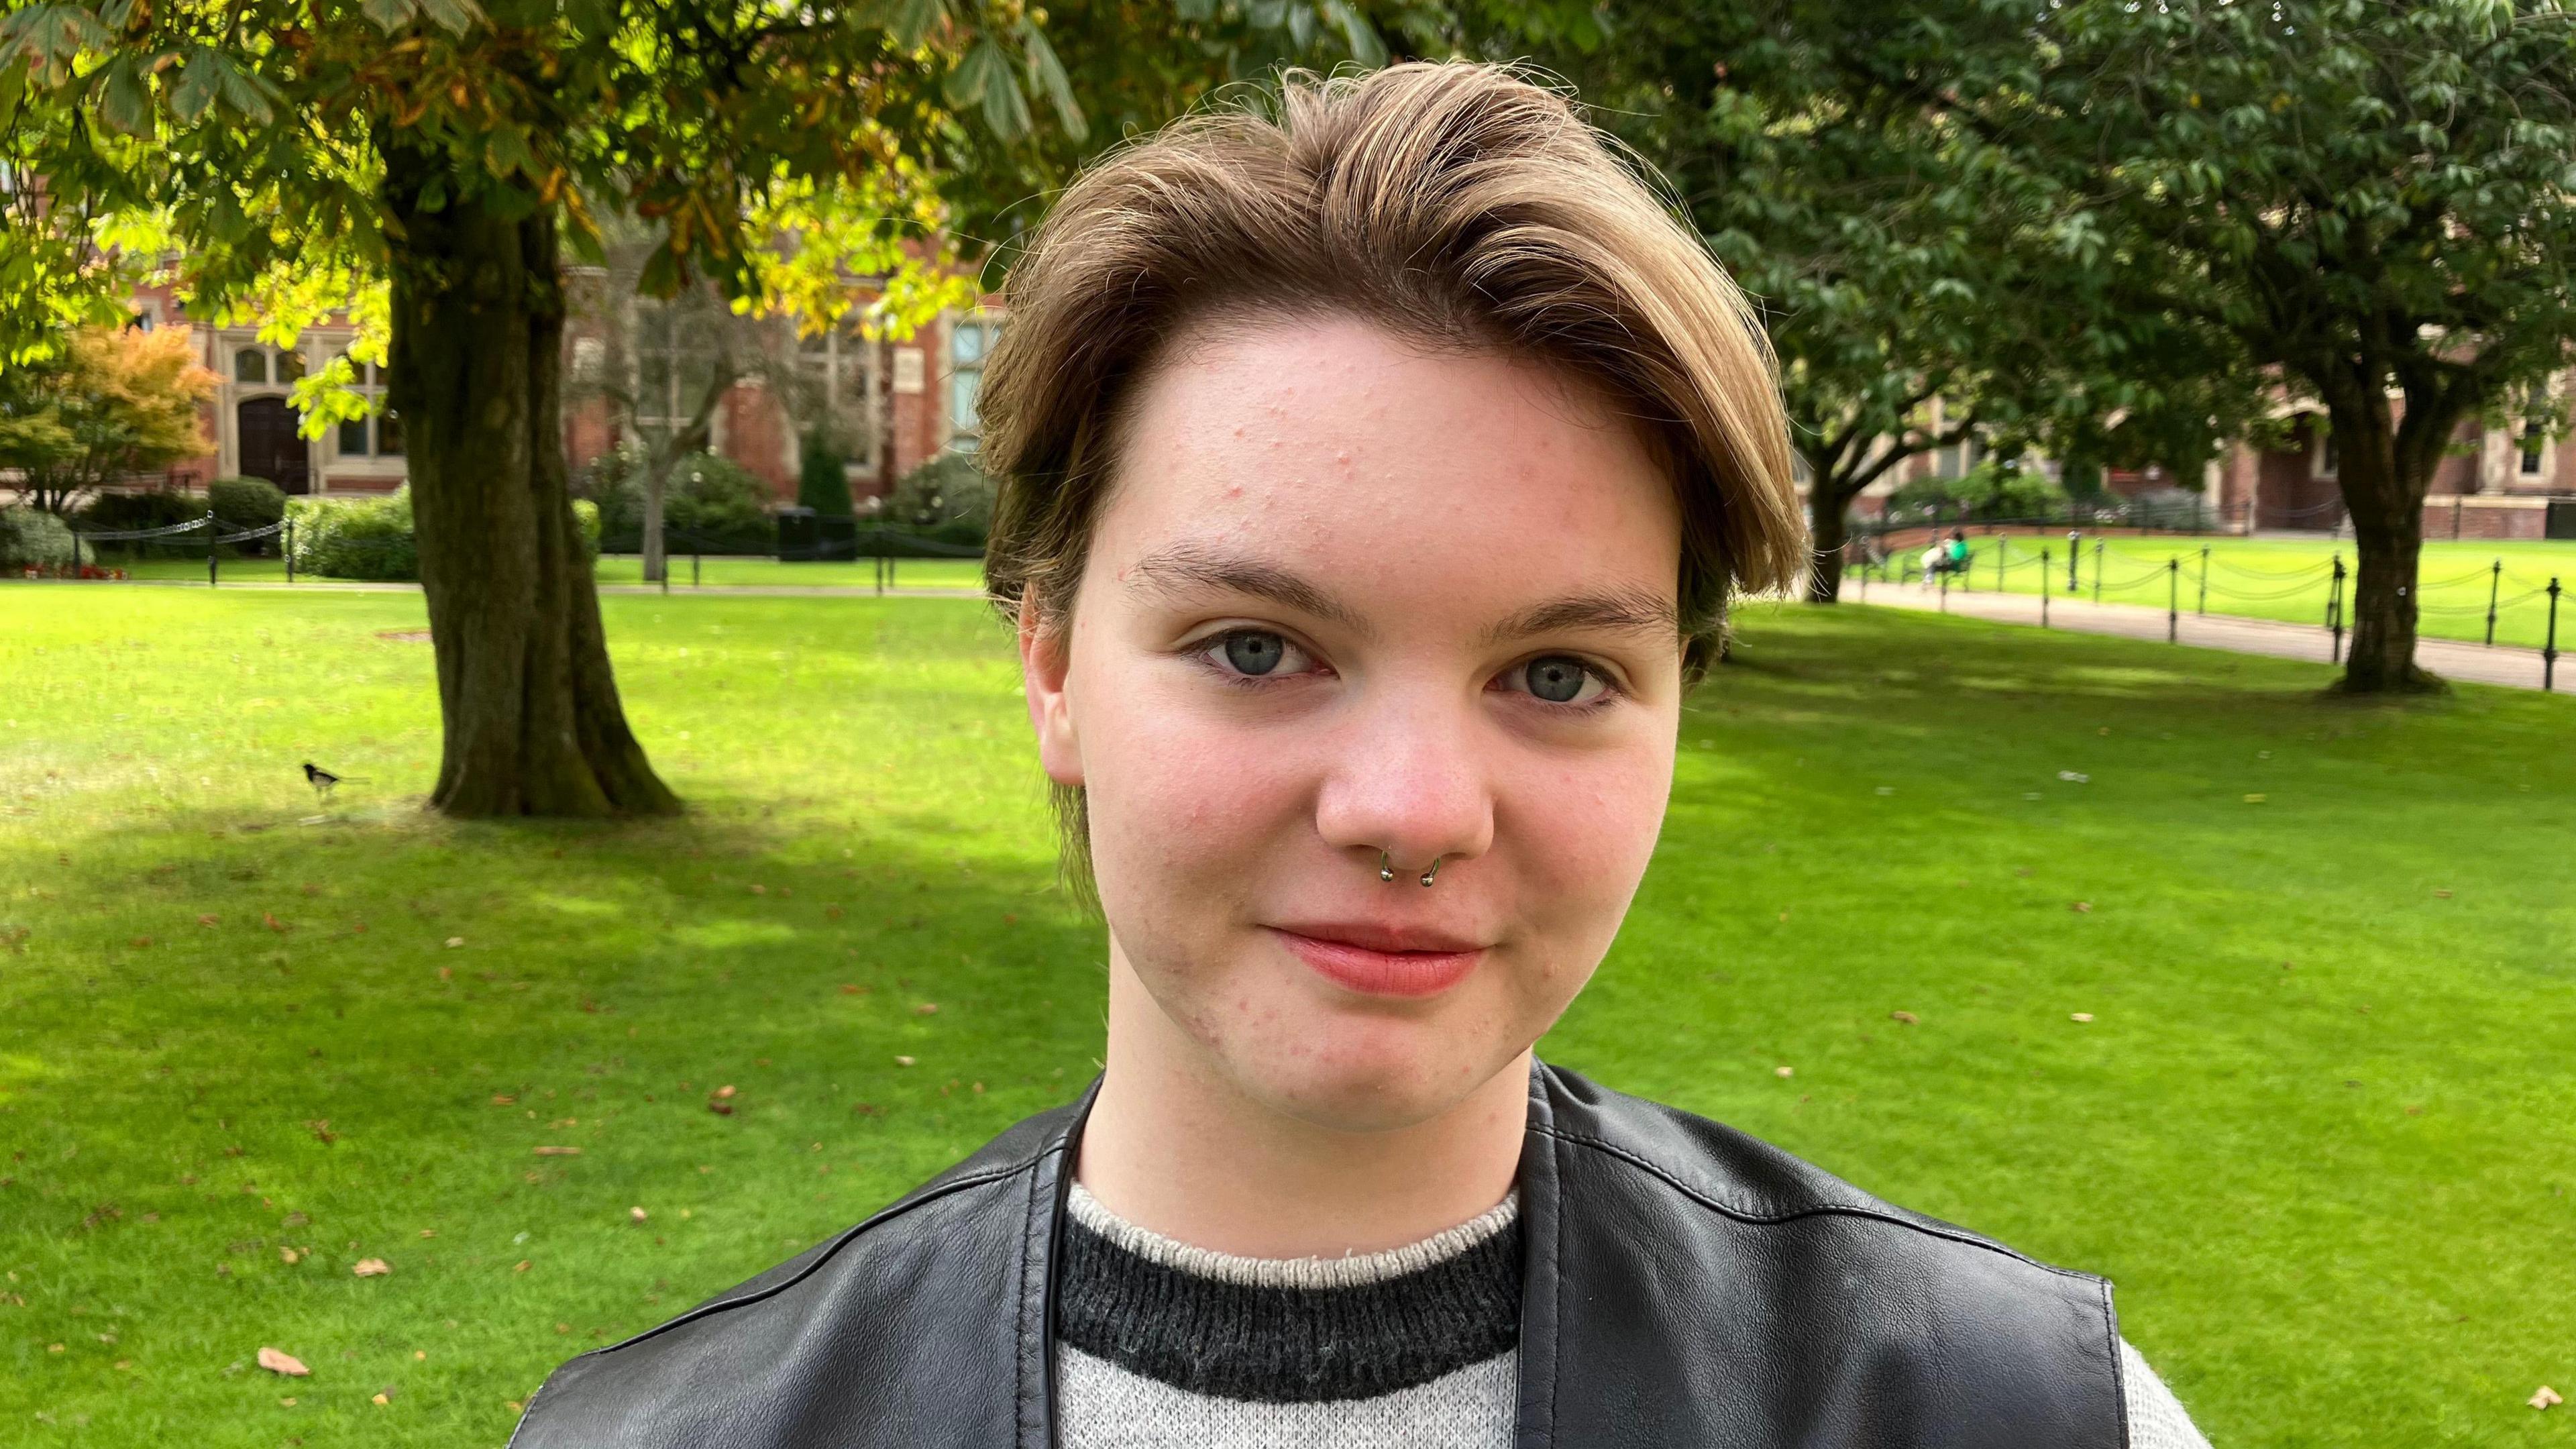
[1386, 868]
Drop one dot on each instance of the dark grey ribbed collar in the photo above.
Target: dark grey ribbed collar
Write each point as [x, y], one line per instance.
[1296, 1331]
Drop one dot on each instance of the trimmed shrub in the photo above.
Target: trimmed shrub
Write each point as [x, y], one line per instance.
[31, 538]
[822, 480]
[947, 498]
[153, 508]
[355, 538]
[1987, 491]
[712, 505]
[246, 503]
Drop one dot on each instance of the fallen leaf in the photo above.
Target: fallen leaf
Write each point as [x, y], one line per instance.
[2442, 895]
[927, 1008]
[559, 1152]
[725, 1091]
[279, 1362]
[721, 1109]
[2075, 777]
[520, 1267]
[2081, 908]
[903, 1061]
[2255, 799]
[1784, 1071]
[635, 1213]
[2546, 1397]
[760, 890]
[848, 989]
[272, 922]
[446, 973]
[455, 941]
[2079, 1016]
[372, 1268]
[381, 1399]
[832, 912]
[563, 1328]
[429, 1232]
[503, 1099]
[210, 920]
[1907, 1017]
[286, 1403]
[286, 1254]
[141, 941]
[322, 1131]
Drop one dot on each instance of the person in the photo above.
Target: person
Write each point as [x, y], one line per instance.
[1375, 470]
[1936, 559]
[1958, 551]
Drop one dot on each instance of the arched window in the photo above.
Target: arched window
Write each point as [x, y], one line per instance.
[250, 364]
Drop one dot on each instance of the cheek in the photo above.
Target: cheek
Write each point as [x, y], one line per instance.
[1589, 829]
[1178, 794]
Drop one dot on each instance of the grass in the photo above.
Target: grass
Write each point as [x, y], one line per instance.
[718, 572]
[2315, 1129]
[2289, 579]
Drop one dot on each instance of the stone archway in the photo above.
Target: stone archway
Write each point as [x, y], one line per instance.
[268, 446]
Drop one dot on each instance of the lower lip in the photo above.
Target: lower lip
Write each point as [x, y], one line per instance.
[1383, 973]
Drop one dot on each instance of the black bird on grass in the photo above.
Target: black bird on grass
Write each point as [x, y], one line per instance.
[322, 780]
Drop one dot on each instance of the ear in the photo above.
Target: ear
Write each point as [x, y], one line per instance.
[1046, 658]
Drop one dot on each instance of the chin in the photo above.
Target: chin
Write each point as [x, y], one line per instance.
[1361, 1075]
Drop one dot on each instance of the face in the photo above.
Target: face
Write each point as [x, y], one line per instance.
[1349, 600]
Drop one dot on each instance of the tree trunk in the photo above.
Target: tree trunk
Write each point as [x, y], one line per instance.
[2383, 491]
[1828, 521]
[657, 481]
[530, 708]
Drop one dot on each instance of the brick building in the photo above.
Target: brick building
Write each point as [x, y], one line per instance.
[906, 401]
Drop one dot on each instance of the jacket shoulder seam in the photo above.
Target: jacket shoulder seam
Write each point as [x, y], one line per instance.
[1822, 1209]
[883, 1215]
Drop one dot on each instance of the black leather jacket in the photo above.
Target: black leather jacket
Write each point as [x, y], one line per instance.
[1684, 1285]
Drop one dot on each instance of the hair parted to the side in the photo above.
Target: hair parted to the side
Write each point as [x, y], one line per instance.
[1456, 204]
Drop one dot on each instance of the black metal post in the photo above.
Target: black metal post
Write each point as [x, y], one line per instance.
[2044, 566]
[2074, 555]
[2173, 599]
[2204, 581]
[1945, 589]
[2097, 570]
[2334, 612]
[2003, 541]
[694, 581]
[290, 551]
[2494, 581]
[2549, 643]
[76, 565]
[210, 548]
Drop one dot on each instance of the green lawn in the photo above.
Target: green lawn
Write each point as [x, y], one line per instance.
[2288, 579]
[2316, 1129]
[713, 573]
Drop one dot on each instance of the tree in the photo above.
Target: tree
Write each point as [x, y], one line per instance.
[2366, 202]
[116, 402]
[454, 151]
[1897, 259]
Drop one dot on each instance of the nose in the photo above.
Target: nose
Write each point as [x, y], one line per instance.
[1406, 778]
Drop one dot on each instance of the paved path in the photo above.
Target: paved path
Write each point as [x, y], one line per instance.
[2514, 668]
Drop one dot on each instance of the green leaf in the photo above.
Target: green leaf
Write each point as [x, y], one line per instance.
[247, 94]
[124, 96]
[1366, 46]
[200, 82]
[52, 34]
[13, 91]
[969, 78]
[117, 14]
[453, 16]
[910, 21]
[660, 275]
[390, 15]
[1049, 74]
[507, 150]
[1301, 26]
[1006, 110]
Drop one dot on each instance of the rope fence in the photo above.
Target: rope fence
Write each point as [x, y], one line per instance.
[1865, 559]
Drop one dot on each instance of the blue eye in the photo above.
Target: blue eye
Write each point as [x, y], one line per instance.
[1253, 652]
[1557, 679]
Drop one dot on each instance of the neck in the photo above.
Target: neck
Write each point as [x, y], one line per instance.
[1177, 1145]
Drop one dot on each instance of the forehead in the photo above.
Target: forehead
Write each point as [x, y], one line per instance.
[1402, 473]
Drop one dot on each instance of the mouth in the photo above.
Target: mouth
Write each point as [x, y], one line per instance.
[1377, 961]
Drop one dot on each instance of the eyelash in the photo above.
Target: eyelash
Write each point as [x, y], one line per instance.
[1198, 652]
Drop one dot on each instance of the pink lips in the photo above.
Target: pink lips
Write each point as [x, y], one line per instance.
[1380, 962]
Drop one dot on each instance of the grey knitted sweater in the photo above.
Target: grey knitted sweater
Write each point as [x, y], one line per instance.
[1159, 1345]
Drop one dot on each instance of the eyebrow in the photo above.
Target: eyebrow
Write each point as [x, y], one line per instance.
[1186, 568]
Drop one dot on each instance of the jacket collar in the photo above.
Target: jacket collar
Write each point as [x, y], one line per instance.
[1051, 1182]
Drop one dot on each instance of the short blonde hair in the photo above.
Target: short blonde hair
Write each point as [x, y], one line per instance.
[1456, 204]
